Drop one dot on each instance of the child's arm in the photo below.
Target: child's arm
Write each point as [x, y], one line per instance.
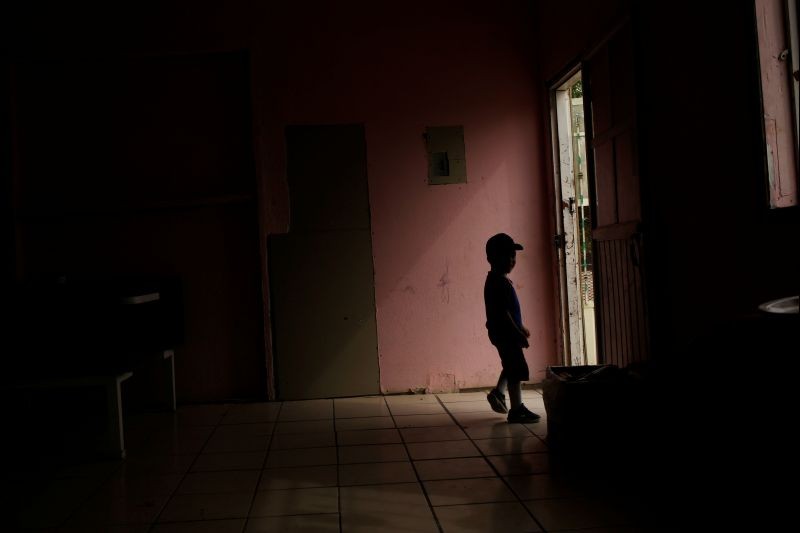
[522, 331]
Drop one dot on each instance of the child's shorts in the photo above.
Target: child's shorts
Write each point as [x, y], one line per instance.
[514, 364]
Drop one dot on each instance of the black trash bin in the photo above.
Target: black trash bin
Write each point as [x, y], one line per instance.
[588, 407]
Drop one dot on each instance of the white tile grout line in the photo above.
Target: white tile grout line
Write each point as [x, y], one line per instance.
[491, 465]
[189, 468]
[414, 468]
[263, 466]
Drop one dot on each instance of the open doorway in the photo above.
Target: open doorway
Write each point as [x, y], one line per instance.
[574, 223]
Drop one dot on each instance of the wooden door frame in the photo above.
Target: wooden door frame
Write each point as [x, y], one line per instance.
[559, 264]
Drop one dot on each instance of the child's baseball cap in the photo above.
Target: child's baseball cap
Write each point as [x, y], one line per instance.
[501, 244]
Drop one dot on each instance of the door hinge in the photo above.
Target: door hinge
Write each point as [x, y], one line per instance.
[560, 240]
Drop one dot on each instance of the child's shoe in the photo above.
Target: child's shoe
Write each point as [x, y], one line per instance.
[521, 415]
[497, 401]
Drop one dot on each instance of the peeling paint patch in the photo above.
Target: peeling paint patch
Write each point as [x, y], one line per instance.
[441, 382]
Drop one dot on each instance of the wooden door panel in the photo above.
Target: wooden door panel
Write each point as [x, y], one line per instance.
[623, 335]
[605, 184]
[624, 332]
[628, 194]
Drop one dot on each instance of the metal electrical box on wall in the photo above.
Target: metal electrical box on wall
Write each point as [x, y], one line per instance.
[447, 161]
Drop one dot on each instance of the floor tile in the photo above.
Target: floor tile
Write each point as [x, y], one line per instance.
[464, 491]
[244, 459]
[360, 407]
[285, 441]
[175, 441]
[481, 406]
[200, 415]
[298, 477]
[305, 426]
[376, 473]
[460, 397]
[511, 445]
[372, 453]
[417, 518]
[496, 430]
[229, 461]
[416, 408]
[466, 467]
[252, 412]
[539, 429]
[373, 496]
[219, 482]
[538, 486]
[433, 434]
[302, 457]
[306, 410]
[188, 507]
[400, 507]
[368, 436]
[419, 421]
[236, 442]
[442, 450]
[318, 523]
[148, 465]
[486, 518]
[254, 429]
[394, 399]
[318, 500]
[525, 463]
[206, 526]
[371, 422]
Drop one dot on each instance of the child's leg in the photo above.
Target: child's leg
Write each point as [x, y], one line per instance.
[515, 393]
[502, 383]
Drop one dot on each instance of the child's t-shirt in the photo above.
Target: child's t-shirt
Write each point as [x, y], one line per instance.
[500, 298]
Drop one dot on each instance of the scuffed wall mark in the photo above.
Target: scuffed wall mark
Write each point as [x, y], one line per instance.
[409, 289]
[444, 283]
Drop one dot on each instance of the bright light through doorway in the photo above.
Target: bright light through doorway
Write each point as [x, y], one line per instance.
[573, 193]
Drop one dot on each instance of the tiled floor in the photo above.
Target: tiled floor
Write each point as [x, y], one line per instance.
[405, 463]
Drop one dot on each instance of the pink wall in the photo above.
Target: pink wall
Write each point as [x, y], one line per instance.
[433, 64]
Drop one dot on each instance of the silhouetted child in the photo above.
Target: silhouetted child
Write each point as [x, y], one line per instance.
[506, 331]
